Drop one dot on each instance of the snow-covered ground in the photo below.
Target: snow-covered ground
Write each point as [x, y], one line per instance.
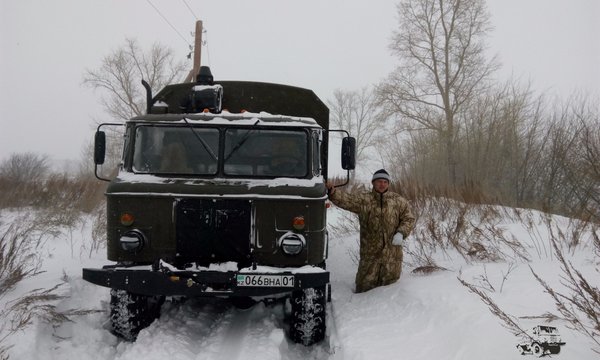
[422, 316]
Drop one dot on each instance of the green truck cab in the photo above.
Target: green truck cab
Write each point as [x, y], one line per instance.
[220, 193]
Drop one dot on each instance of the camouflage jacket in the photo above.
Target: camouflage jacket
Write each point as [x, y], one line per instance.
[380, 217]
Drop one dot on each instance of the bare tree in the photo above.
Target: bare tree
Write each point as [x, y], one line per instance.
[357, 112]
[499, 147]
[24, 167]
[121, 72]
[576, 148]
[441, 48]
[119, 77]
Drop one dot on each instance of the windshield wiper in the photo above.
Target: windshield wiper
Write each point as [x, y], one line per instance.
[204, 144]
[243, 140]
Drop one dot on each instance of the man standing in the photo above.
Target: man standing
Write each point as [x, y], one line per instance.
[385, 221]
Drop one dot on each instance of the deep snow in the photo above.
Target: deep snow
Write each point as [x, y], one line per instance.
[420, 317]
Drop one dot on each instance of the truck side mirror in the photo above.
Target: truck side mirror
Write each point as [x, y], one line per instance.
[99, 147]
[348, 153]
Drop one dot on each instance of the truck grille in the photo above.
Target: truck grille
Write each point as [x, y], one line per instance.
[213, 231]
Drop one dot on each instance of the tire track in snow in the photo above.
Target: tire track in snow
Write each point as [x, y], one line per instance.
[181, 332]
[255, 333]
[217, 330]
[227, 337]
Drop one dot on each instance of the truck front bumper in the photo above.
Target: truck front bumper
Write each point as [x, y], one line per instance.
[205, 283]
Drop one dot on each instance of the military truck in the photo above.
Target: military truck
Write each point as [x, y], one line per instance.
[542, 340]
[220, 193]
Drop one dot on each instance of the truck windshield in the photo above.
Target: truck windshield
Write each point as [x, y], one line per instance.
[176, 150]
[265, 153]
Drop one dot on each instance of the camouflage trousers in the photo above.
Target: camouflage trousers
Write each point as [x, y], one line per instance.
[377, 272]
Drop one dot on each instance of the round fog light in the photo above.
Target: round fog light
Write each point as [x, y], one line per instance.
[132, 241]
[291, 243]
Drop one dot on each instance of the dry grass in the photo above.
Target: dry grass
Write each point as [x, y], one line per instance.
[508, 321]
[38, 304]
[428, 269]
[474, 232]
[57, 191]
[20, 259]
[580, 304]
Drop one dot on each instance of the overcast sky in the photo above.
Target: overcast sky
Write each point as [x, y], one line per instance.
[45, 46]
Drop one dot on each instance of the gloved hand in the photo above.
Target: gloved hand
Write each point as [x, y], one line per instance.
[398, 239]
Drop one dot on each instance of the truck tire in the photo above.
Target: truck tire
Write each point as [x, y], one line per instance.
[130, 313]
[307, 325]
[537, 349]
[554, 349]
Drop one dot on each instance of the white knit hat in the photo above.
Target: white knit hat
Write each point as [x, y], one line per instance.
[381, 174]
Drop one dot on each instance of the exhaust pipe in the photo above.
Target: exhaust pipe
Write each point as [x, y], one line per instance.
[148, 96]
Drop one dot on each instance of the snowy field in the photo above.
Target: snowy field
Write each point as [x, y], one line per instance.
[423, 316]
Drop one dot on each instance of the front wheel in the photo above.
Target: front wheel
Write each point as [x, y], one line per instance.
[130, 313]
[537, 349]
[307, 325]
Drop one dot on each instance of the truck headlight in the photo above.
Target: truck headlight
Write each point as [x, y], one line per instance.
[132, 241]
[292, 243]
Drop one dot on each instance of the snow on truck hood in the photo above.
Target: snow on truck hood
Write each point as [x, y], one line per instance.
[129, 177]
[227, 118]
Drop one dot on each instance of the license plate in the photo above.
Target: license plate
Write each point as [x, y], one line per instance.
[265, 280]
